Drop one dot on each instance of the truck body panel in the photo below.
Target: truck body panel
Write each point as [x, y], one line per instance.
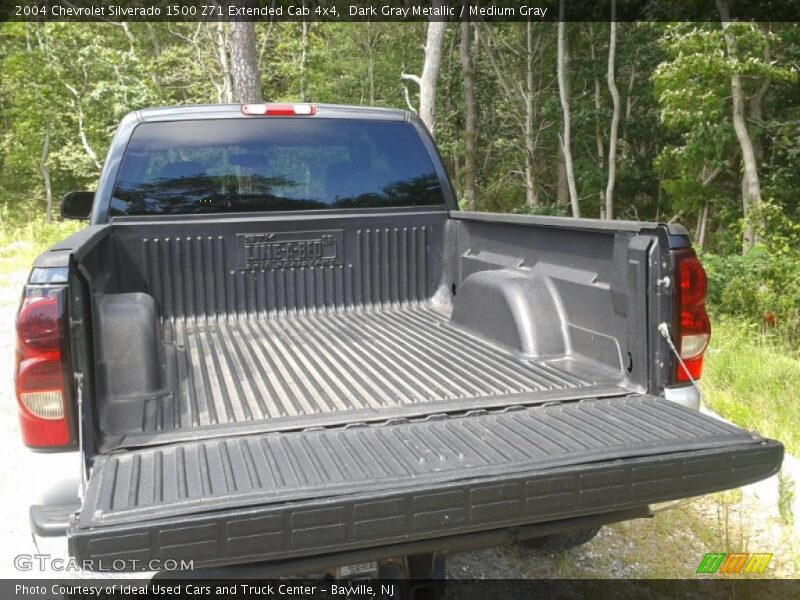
[362, 373]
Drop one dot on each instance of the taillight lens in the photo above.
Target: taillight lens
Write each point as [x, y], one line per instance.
[38, 323]
[691, 324]
[39, 374]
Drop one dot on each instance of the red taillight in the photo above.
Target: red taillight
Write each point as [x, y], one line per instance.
[39, 373]
[691, 324]
[37, 323]
[280, 110]
[691, 278]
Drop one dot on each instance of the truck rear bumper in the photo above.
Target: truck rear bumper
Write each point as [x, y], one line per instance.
[278, 497]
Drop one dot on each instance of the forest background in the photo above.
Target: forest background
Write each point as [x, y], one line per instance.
[697, 123]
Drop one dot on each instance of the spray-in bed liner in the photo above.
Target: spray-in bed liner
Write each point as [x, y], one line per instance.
[271, 373]
[274, 496]
[290, 466]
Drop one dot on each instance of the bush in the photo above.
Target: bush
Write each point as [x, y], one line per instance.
[20, 242]
[761, 287]
[753, 381]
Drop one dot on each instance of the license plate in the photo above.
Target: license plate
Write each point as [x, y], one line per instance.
[365, 569]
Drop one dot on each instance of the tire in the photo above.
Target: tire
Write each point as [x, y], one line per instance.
[560, 542]
[428, 573]
[427, 566]
[395, 571]
[415, 577]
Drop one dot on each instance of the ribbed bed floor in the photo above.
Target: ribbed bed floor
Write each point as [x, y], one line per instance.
[339, 367]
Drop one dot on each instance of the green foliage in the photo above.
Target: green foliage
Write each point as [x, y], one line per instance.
[38, 234]
[753, 381]
[20, 243]
[700, 161]
[779, 232]
[786, 487]
[754, 286]
[75, 80]
[551, 210]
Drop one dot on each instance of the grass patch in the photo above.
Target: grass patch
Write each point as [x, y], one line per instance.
[668, 546]
[20, 244]
[754, 382]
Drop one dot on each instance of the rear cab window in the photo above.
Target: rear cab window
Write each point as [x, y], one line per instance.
[272, 164]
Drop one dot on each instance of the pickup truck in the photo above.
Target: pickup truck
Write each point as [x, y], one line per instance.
[278, 346]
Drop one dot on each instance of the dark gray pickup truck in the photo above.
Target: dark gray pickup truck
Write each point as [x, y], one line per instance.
[279, 344]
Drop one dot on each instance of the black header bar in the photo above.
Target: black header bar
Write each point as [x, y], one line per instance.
[392, 10]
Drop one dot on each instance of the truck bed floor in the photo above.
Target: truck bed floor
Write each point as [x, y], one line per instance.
[267, 373]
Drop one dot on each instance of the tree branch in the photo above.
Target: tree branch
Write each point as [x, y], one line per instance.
[407, 96]
[409, 77]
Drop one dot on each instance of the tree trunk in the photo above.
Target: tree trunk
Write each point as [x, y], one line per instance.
[156, 45]
[457, 174]
[303, 61]
[751, 185]
[612, 135]
[563, 92]
[757, 105]
[370, 64]
[702, 226]
[225, 90]
[702, 220]
[244, 64]
[598, 134]
[470, 124]
[430, 71]
[562, 197]
[531, 194]
[45, 173]
[757, 115]
[629, 98]
[87, 147]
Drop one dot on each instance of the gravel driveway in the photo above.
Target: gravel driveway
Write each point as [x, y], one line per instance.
[15, 537]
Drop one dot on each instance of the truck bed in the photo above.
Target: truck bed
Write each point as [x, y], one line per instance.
[435, 376]
[339, 367]
[405, 315]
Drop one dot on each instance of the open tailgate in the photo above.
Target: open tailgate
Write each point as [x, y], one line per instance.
[276, 496]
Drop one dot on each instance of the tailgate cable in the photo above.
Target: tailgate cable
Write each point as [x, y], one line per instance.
[663, 329]
[79, 387]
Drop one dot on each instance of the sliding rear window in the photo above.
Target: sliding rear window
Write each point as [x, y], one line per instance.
[273, 164]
